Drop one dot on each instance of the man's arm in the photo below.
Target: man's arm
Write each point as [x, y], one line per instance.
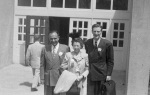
[109, 60]
[28, 57]
[42, 65]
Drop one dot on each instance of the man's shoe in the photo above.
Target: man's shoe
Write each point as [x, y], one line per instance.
[34, 89]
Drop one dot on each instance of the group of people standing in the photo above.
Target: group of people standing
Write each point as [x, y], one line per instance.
[94, 66]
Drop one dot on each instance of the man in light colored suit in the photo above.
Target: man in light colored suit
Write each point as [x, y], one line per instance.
[51, 59]
[33, 59]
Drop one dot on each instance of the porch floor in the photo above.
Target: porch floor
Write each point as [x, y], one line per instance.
[16, 80]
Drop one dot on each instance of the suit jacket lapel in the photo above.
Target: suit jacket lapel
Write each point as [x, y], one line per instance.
[49, 53]
[100, 43]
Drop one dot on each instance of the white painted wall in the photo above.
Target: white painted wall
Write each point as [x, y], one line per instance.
[6, 31]
[139, 61]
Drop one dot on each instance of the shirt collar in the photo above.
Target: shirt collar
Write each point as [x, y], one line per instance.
[37, 42]
[98, 41]
[56, 47]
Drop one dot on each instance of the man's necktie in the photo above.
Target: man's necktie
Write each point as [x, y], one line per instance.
[96, 44]
[54, 51]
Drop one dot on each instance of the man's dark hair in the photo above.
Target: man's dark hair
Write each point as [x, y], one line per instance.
[97, 25]
[36, 37]
[54, 31]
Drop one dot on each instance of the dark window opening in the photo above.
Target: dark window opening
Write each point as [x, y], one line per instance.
[57, 3]
[39, 3]
[103, 4]
[120, 5]
[24, 2]
[70, 3]
[85, 4]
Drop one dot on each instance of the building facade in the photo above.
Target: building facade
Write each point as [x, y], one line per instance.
[121, 21]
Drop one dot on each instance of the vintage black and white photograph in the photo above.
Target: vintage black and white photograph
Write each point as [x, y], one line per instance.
[74, 47]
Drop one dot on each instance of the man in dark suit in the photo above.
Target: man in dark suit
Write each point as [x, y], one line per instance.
[51, 59]
[101, 60]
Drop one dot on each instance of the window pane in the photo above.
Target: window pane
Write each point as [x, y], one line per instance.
[31, 39]
[20, 29]
[80, 32]
[104, 34]
[99, 23]
[19, 37]
[24, 21]
[103, 4]
[85, 4]
[120, 43]
[20, 21]
[85, 33]
[115, 43]
[24, 29]
[121, 36]
[85, 24]
[70, 3]
[121, 26]
[115, 35]
[39, 3]
[57, 3]
[80, 24]
[104, 25]
[43, 23]
[120, 4]
[31, 30]
[43, 31]
[24, 2]
[116, 26]
[74, 23]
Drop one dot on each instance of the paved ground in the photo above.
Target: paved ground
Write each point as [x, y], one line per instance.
[16, 79]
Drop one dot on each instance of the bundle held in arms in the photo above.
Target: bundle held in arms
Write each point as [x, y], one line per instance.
[65, 82]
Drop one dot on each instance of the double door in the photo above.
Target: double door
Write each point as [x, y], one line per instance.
[37, 25]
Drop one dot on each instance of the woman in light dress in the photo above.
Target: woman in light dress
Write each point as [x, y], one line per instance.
[77, 63]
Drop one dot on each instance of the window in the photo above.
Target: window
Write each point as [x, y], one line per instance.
[118, 34]
[21, 29]
[103, 4]
[120, 4]
[24, 2]
[39, 3]
[32, 3]
[70, 3]
[57, 3]
[81, 4]
[112, 4]
[85, 4]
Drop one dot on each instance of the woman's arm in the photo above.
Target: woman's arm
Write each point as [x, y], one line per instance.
[86, 72]
[64, 64]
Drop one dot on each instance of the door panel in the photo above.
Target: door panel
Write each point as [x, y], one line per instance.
[37, 25]
[120, 38]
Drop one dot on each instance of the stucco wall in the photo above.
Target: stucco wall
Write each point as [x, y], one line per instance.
[6, 31]
[139, 61]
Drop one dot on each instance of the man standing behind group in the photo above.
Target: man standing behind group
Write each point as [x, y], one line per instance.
[101, 60]
[51, 59]
[33, 59]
